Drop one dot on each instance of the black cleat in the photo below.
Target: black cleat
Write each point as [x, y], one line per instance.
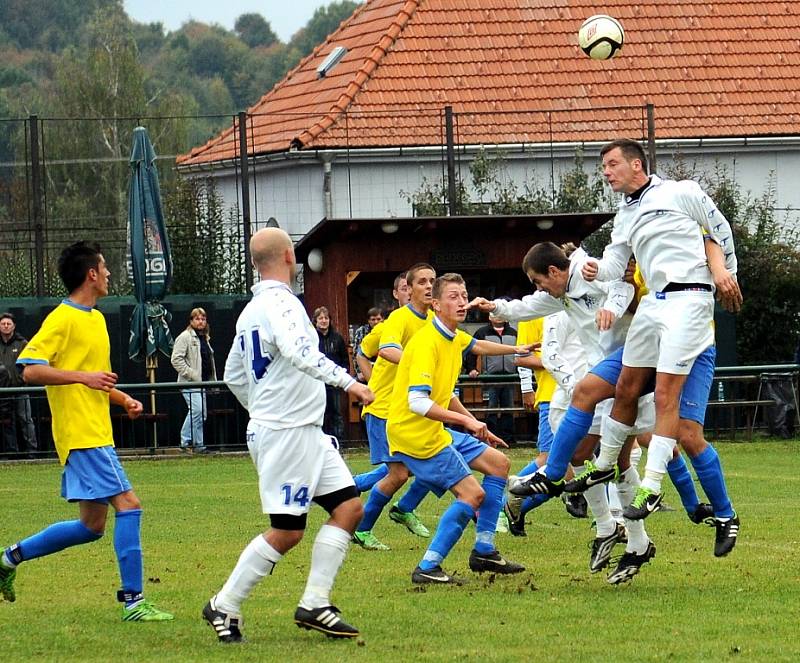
[727, 531]
[630, 563]
[537, 484]
[591, 476]
[225, 625]
[516, 523]
[703, 513]
[644, 503]
[601, 548]
[434, 576]
[493, 562]
[576, 505]
[325, 620]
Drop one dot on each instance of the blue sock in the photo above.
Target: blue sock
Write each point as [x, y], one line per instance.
[530, 503]
[494, 487]
[684, 484]
[128, 546]
[530, 468]
[52, 539]
[709, 473]
[572, 429]
[414, 495]
[367, 480]
[451, 527]
[372, 509]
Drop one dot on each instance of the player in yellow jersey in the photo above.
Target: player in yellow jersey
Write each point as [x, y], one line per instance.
[70, 354]
[422, 404]
[396, 331]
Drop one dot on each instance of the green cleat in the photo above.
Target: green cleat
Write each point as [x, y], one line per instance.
[502, 523]
[7, 583]
[145, 612]
[410, 520]
[368, 541]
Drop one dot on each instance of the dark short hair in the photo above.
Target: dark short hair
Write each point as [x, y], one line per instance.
[540, 256]
[75, 262]
[321, 310]
[418, 267]
[374, 311]
[630, 149]
[440, 283]
[402, 276]
[9, 315]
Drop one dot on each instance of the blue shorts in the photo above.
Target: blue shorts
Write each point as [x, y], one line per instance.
[468, 446]
[378, 442]
[545, 438]
[440, 472]
[694, 396]
[93, 474]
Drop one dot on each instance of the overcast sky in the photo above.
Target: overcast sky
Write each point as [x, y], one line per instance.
[285, 18]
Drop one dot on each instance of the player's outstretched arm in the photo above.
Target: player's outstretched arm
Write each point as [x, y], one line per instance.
[43, 374]
[133, 407]
[490, 348]
[362, 393]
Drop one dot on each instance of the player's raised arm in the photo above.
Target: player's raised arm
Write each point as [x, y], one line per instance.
[728, 291]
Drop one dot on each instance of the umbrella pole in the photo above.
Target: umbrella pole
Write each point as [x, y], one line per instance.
[152, 365]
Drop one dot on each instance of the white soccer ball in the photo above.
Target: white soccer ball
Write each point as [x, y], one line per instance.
[601, 37]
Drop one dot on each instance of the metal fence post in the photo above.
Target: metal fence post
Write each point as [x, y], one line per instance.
[451, 161]
[245, 170]
[36, 203]
[651, 137]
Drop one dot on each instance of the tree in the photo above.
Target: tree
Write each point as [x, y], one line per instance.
[324, 21]
[254, 30]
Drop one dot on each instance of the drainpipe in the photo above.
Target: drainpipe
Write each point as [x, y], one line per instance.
[327, 184]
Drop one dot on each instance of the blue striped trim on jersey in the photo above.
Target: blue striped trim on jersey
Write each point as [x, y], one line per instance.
[80, 307]
[421, 316]
[442, 329]
[420, 387]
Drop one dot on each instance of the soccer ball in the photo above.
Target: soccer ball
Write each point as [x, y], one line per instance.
[601, 37]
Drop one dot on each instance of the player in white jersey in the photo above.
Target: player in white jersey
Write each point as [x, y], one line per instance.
[278, 374]
[661, 222]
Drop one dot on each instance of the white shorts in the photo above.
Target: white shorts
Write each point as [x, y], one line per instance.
[645, 415]
[669, 331]
[557, 414]
[295, 465]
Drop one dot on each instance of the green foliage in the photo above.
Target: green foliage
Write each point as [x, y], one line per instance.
[254, 30]
[324, 21]
[205, 242]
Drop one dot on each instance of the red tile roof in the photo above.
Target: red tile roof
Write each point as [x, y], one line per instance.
[513, 73]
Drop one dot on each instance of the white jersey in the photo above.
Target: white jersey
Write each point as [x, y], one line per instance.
[663, 228]
[275, 368]
[581, 301]
[563, 357]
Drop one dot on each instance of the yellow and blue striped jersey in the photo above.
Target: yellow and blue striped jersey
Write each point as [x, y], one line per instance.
[74, 338]
[431, 363]
[397, 331]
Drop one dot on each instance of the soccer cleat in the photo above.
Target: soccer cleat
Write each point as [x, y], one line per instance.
[514, 517]
[629, 565]
[537, 484]
[368, 541]
[644, 503]
[601, 548]
[576, 505]
[227, 626]
[434, 576]
[325, 620]
[727, 531]
[410, 520]
[591, 476]
[7, 583]
[145, 611]
[493, 562]
[703, 513]
[502, 523]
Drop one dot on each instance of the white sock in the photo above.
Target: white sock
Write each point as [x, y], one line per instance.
[598, 503]
[327, 555]
[626, 489]
[613, 435]
[613, 501]
[576, 469]
[256, 561]
[636, 457]
[659, 454]
[4, 561]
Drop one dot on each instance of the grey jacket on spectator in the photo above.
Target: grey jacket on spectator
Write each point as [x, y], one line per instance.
[186, 357]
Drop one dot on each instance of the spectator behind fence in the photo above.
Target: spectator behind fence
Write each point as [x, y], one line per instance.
[501, 396]
[332, 345]
[193, 358]
[374, 317]
[19, 433]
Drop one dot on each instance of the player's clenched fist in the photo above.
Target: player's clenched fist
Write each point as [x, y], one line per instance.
[482, 304]
[362, 393]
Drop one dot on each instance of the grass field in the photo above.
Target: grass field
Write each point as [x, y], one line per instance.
[200, 513]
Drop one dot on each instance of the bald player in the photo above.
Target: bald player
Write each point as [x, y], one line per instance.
[278, 374]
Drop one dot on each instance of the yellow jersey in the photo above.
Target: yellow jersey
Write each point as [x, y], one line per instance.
[74, 338]
[369, 344]
[396, 332]
[532, 331]
[431, 363]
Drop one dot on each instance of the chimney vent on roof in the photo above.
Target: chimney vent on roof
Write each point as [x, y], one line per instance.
[334, 57]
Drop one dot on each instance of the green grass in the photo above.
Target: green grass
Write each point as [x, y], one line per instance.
[201, 512]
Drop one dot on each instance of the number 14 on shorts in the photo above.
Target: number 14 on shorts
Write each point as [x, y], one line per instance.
[292, 496]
